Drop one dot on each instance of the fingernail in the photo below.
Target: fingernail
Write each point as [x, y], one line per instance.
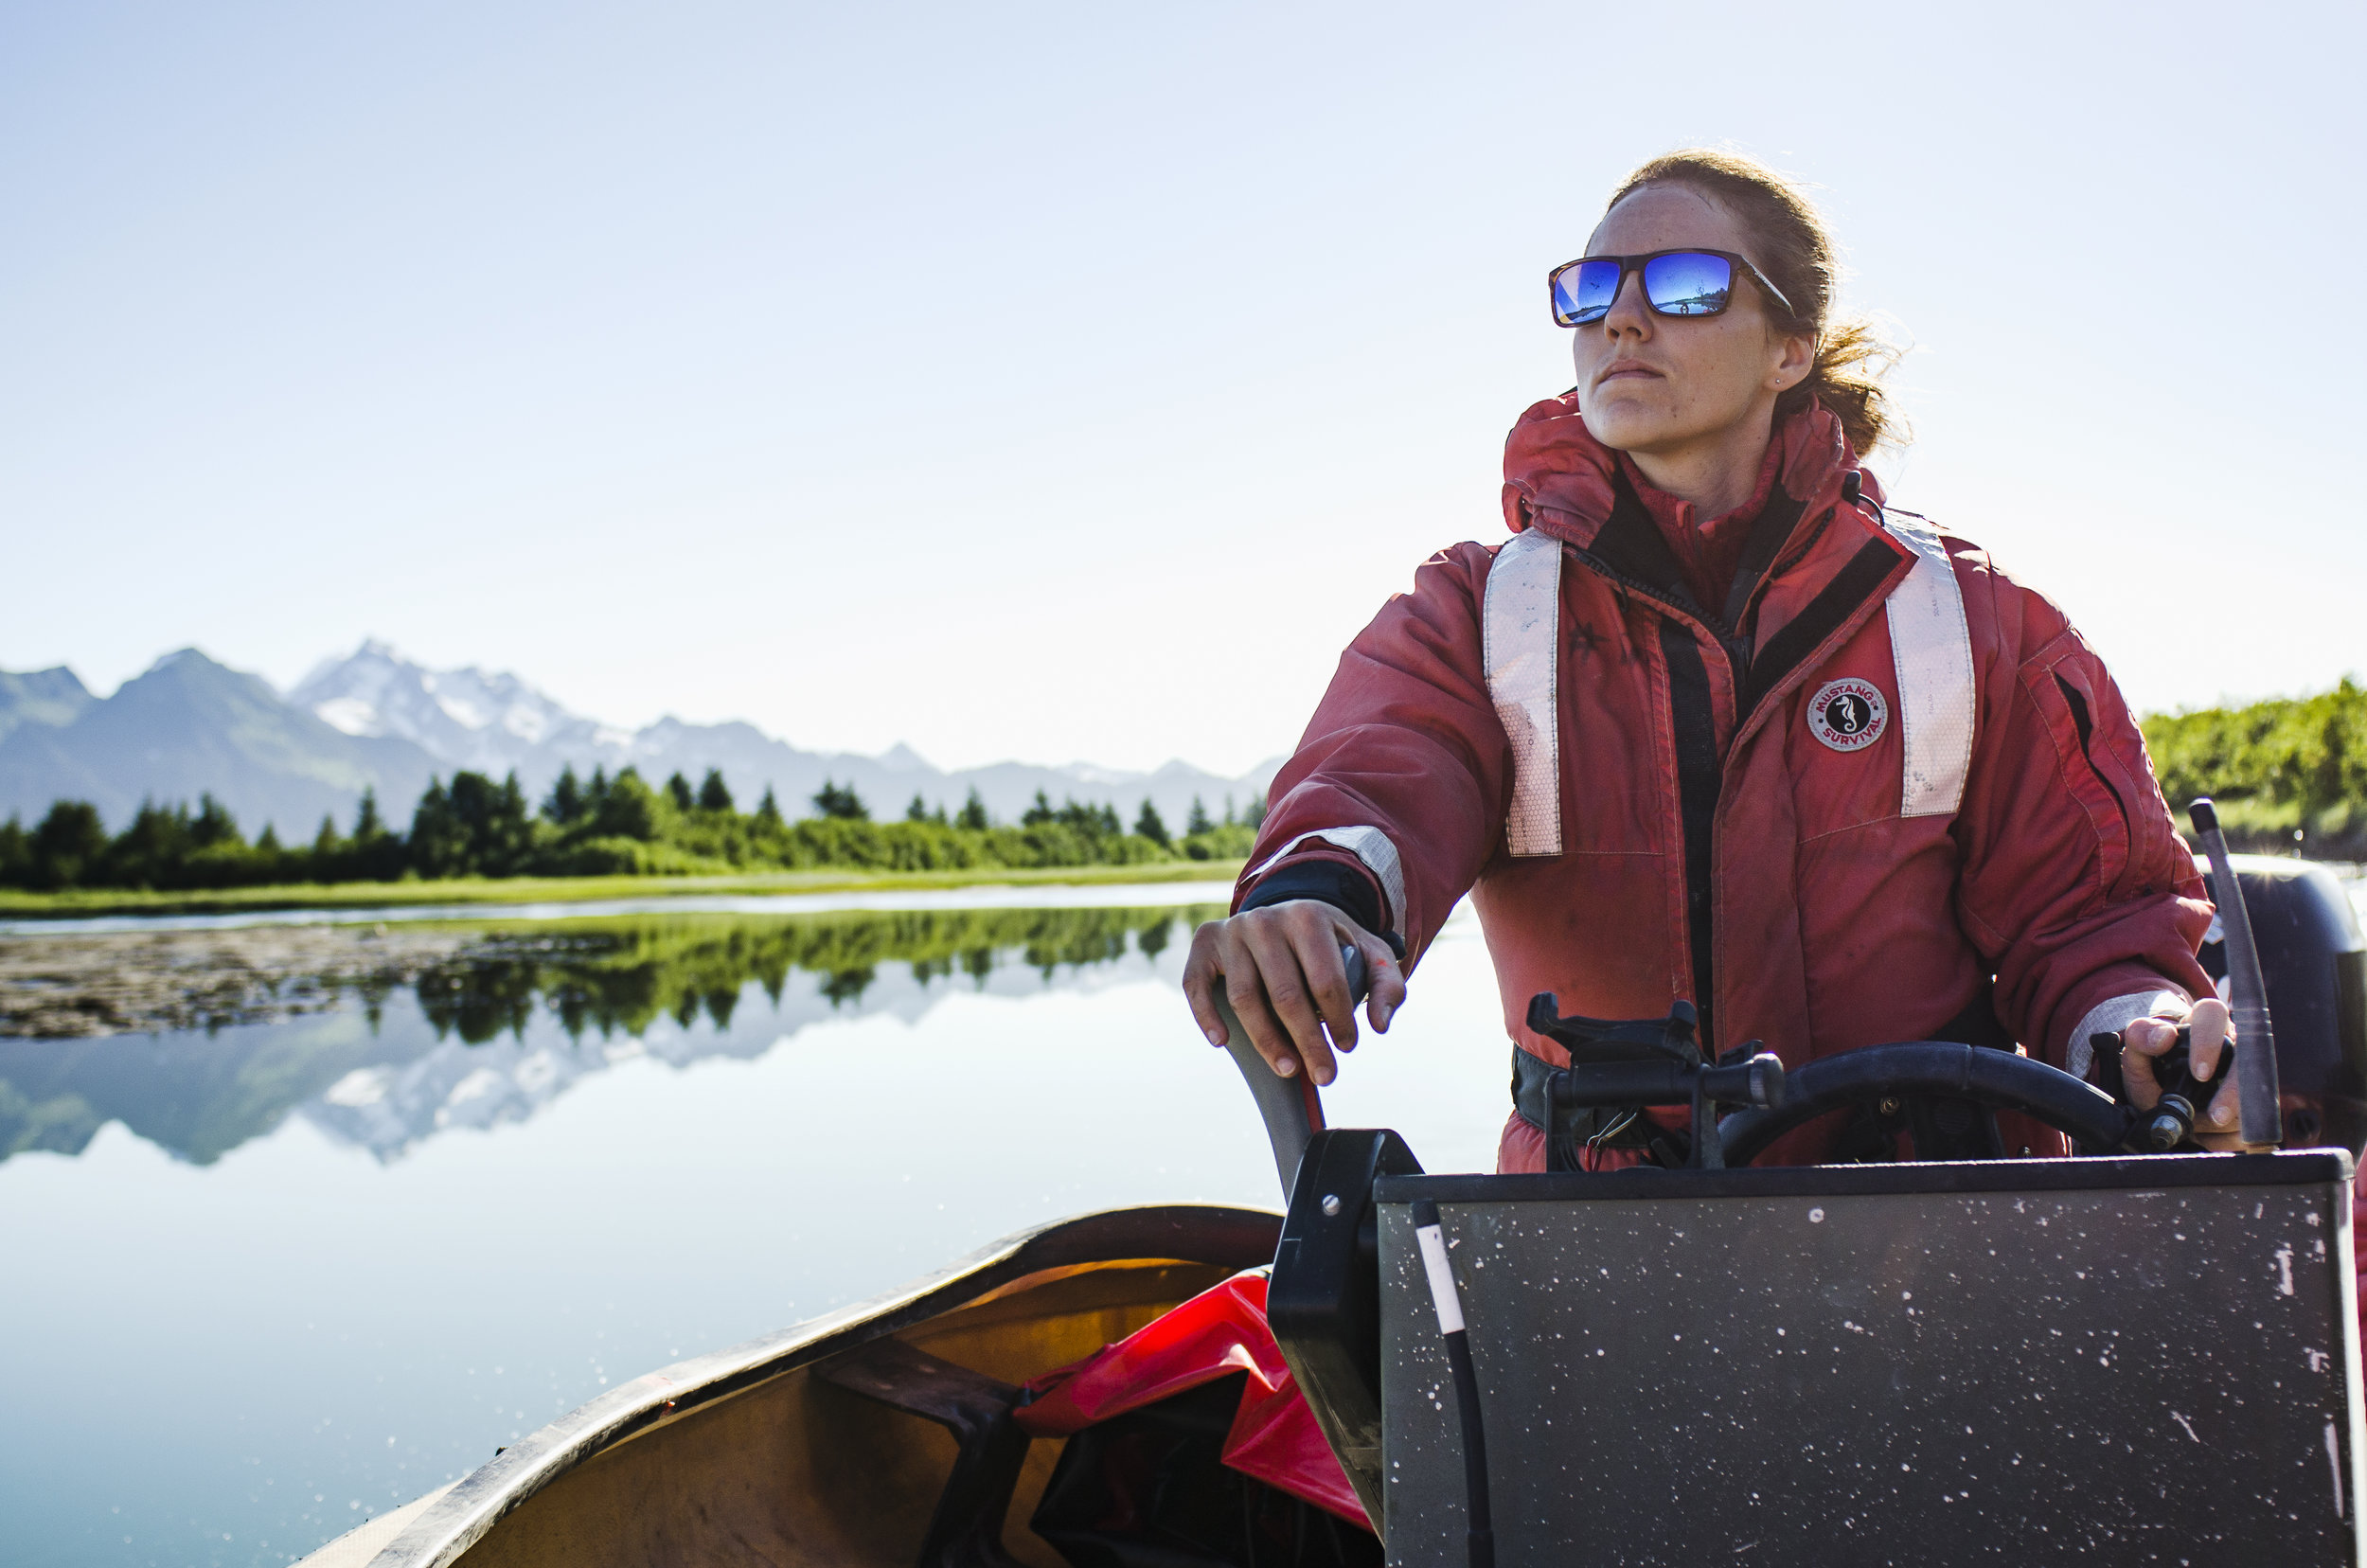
[1387, 1012]
[1285, 1067]
[2223, 1115]
[1216, 1035]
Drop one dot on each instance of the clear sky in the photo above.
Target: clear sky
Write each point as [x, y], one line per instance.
[1072, 382]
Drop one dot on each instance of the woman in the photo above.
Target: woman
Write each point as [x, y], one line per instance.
[1716, 725]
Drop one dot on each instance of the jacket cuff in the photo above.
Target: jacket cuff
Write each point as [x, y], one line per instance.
[2111, 1018]
[1348, 888]
[1373, 851]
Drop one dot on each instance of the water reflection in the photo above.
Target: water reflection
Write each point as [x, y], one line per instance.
[524, 1012]
[332, 1300]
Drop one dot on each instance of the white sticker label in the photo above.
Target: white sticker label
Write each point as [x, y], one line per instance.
[1442, 1292]
[1848, 715]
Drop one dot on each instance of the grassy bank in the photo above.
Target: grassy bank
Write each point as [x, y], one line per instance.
[426, 893]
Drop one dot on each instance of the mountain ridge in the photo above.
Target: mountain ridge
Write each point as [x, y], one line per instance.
[373, 720]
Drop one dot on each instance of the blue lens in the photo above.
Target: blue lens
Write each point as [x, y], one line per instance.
[1688, 283]
[1583, 292]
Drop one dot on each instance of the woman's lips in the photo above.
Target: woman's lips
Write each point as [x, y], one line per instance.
[1623, 369]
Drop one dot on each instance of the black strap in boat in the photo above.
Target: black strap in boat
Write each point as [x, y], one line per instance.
[1532, 1083]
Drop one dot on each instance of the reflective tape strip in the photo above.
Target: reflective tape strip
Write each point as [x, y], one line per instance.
[1522, 625]
[1368, 844]
[1931, 649]
[1442, 1292]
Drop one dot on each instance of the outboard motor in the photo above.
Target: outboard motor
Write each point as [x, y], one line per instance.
[2314, 959]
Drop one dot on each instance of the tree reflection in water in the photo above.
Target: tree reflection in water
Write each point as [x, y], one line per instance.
[606, 984]
[616, 977]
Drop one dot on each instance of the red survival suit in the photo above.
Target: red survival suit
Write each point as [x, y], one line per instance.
[1845, 804]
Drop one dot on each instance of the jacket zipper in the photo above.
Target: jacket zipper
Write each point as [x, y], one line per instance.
[1700, 772]
[1700, 933]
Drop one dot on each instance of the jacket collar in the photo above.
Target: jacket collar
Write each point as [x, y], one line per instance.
[1561, 480]
[1819, 555]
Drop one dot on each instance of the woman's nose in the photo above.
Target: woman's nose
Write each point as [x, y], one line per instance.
[1628, 313]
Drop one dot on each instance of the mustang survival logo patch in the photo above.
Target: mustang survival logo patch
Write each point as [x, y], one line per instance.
[1848, 715]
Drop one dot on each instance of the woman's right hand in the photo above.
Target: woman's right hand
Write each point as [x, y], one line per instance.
[1280, 968]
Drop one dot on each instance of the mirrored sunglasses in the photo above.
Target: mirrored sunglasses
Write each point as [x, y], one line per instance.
[1675, 283]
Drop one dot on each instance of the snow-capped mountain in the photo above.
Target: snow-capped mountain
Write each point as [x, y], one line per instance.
[495, 723]
[463, 716]
[374, 719]
[189, 727]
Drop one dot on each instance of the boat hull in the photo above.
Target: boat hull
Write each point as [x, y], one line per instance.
[748, 1456]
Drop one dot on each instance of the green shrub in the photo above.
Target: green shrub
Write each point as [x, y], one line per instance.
[2274, 768]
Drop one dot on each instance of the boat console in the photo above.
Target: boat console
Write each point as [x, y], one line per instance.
[2127, 1356]
[2136, 1358]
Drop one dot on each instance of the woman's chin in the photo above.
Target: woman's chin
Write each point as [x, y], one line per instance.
[1623, 427]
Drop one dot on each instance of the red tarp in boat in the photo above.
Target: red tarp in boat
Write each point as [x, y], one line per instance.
[1220, 1331]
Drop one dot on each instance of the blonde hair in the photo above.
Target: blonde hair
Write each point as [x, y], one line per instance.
[1793, 247]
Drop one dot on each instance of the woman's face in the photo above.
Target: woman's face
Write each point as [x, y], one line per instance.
[1656, 386]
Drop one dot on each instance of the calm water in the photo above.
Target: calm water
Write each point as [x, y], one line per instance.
[261, 1284]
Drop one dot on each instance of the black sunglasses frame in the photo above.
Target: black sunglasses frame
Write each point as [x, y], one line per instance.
[1628, 264]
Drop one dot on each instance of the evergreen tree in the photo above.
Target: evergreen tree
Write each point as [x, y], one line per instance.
[1198, 822]
[917, 810]
[16, 854]
[974, 815]
[565, 802]
[69, 846]
[327, 861]
[506, 837]
[840, 803]
[677, 790]
[472, 827]
[214, 824]
[376, 852]
[438, 843]
[1039, 814]
[153, 851]
[267, 843]
[1152, 826]
[628, 806]
[714, 794]
[1229, 818]
[1255, 815]
[768, 810]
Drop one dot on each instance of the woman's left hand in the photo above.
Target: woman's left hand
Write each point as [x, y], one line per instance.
[2147, 1037]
